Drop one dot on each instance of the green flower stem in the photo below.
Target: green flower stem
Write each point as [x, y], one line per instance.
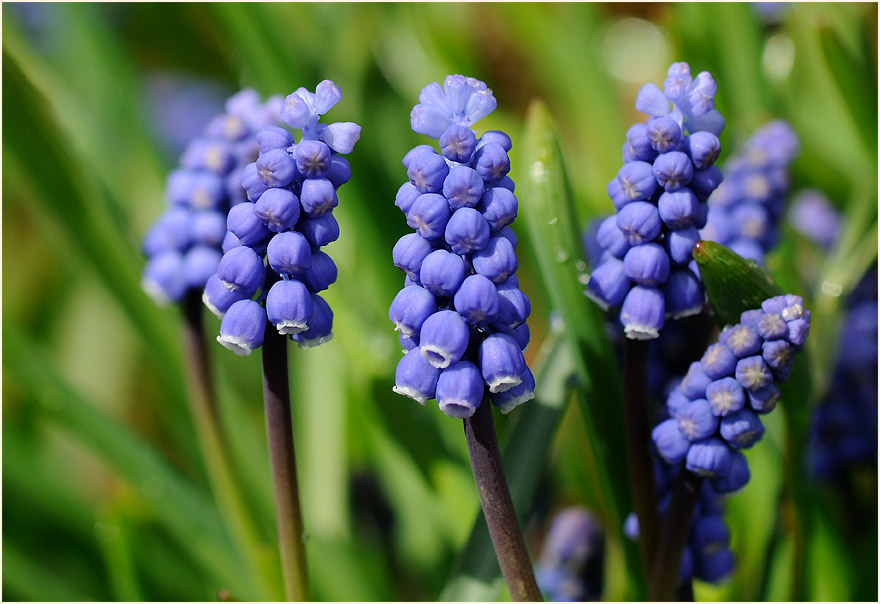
[203, 408]
[674, 537]
[510, 547]
[279, 427]
[638, 439]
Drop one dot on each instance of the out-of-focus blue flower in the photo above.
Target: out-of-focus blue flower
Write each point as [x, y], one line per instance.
[570, 565]
[660, 196]
[843, 432]
[465, 314]
[815, 218]
[201, 192]
[278, 231]
[745, 210]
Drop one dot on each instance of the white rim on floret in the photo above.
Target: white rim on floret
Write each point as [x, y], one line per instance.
[229, 286]
[207, 302]
[436, 356]
[315, 341]
[412, 393]
[504, 383]
[641, 332]
[515, 402]
[595, 298]
[458, 409]
[405, 331]
[687, 312]
[155, 291]
[290, 327]
[237, 345]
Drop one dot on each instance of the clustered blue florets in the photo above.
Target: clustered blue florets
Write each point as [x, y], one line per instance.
[274, 239]
[461, 314]
[707, 555]
[746, 209]
[714, 412]
[570, 565]
[660, 196]
[183, 247]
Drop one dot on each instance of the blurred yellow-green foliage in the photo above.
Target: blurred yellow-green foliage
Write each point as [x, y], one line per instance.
[106, 495]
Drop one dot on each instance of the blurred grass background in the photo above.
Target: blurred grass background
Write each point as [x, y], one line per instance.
[105, 493]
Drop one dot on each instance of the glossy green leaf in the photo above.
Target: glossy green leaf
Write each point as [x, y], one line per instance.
[548, 212]
[733, 284]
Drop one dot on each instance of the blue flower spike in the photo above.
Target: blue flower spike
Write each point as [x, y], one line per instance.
[461, 308]
[273, 258]
[660, 197]
[184, 246]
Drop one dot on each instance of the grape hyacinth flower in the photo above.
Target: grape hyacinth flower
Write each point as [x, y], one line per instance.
[660, 197]
[717, 406]
[272, 251]
[746, 209]
[461, 314]
[570, 565]
[184, 245]
[461, 306]
[707, 555]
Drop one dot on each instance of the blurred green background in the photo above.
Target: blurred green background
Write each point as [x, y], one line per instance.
[106, 495]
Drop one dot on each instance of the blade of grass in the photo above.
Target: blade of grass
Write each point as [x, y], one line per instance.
[546, 206]
[27, 579]
[186, 512]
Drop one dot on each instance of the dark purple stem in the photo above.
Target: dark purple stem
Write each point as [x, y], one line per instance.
[279, 427]
[510, 547]
[674, 537]
[638, 439]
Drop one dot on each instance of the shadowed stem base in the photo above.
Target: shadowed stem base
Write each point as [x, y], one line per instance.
[279, 427]
[674, 537]
[638, 442]
[510, 547]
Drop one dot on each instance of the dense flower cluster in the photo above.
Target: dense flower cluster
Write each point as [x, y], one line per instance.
[707, 555]
[274, 239]
[570, 565]
[183, 245]
[461, 314]
[746, 209]
[660, 197]
[714, 412]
